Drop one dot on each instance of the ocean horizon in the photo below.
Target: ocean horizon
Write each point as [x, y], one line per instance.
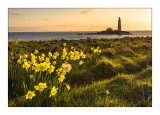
[70, 35]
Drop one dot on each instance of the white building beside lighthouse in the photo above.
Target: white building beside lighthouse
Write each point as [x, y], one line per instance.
[119, 24]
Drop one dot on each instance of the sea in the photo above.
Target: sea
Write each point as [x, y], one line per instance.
[45, 36]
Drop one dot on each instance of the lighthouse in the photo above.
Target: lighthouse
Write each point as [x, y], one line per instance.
[119, 24]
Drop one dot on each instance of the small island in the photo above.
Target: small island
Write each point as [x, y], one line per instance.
[110, 31]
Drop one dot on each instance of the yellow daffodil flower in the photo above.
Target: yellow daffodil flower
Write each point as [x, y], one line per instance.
[72, 47]
[107, 92]
[40, 86]
[67, 86]
[19, 61]
[41, 58]
[55, 55]
[54, 62]
[64, 53]
[53, 91]
[51, 69]
[26, 55]
[26, 65]
[43, 55]
[80, 62]
[36, 52]
[61, 78]
[47, 60]
[30, 94]
[50, 54]
[11, 53]
[31, 76]
[36, 67]
[64, 44]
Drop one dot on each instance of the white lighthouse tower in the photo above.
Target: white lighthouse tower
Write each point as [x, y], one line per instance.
[119, 24]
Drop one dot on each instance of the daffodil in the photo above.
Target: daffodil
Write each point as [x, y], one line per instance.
[67, 86]
[41, 58]
[67, 58]
[47, 60]
[51, 69]
[83, 56]
[72, 47]
[30, 94]
[107, 92]
[76, 55]
[61, 78]
[55, 55]
[33, 56]
[24, 60]
[71, 55]
[80, 62]
[40, 86]
[31, 76]
[64, 53]
[36, 52]
[96, 50]
[59, 71]
[63, 73]
[50, 54]
[44, 66]
[11, 53]
[29, 62]
[92, 48]
[66, 67]
[81, 53]
[36, 67]
[33, 61]
[53, 91]
[64, 44]
[54, 62]
[20, 57]
[26, 65]
[19, 61]
[43, 55]
[26, 55]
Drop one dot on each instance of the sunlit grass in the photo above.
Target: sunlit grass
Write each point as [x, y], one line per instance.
[85, 73]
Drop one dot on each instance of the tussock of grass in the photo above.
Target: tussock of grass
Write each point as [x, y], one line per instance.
[123, 92]
[130, 66]
[127, 52]
[109, 52]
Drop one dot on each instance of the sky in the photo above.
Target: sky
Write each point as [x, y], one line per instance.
[73, 19]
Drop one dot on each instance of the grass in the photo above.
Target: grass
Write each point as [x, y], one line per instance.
[124, 68]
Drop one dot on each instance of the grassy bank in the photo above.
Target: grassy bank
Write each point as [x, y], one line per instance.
[118, 73]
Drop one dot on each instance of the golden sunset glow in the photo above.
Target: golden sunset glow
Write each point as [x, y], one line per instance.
[47, 20]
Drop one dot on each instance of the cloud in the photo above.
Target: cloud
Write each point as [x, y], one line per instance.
[86, 11]
[14, 13]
